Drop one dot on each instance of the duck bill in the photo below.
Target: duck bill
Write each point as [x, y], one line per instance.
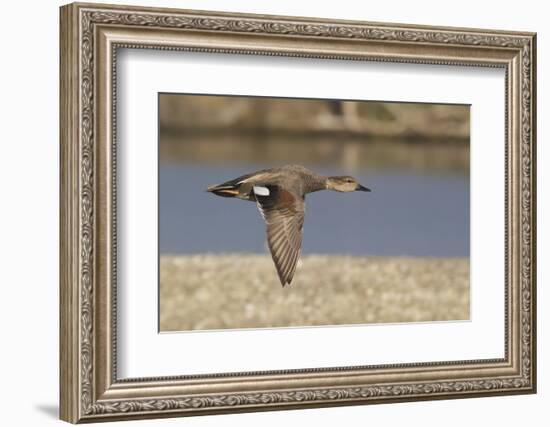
[361, 188]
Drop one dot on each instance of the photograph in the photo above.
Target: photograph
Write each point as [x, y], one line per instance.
[261, 211]
[360, 212]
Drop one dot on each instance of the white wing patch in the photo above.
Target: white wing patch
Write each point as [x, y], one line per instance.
[261, 191]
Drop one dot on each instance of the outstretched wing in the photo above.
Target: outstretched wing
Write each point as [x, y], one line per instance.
[283, 213]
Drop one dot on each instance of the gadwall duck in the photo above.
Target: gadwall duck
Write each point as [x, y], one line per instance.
[280, 196]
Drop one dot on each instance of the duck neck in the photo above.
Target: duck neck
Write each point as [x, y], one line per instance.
[316, 183]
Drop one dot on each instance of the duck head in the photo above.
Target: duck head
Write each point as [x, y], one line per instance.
[344, 184]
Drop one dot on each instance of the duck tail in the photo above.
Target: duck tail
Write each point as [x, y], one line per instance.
[224, 190]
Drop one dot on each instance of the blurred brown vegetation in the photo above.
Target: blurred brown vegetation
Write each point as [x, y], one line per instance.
[211, 291]
[197, 128]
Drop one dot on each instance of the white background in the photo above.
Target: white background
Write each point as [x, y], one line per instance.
[145, 353]
[29, 171]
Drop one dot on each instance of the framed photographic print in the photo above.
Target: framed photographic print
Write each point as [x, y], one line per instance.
[265, 212]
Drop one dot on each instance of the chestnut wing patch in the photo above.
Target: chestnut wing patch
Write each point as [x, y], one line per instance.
[283, 213]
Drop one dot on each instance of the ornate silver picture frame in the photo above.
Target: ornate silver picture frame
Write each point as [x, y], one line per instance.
[91, 35]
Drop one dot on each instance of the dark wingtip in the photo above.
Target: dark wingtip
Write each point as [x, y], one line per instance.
[284, 281]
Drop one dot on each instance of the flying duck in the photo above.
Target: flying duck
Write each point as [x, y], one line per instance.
[280, 196]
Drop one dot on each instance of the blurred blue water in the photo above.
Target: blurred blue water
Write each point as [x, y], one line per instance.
[407, 213]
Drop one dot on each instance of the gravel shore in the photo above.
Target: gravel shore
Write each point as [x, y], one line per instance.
[208, 291]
